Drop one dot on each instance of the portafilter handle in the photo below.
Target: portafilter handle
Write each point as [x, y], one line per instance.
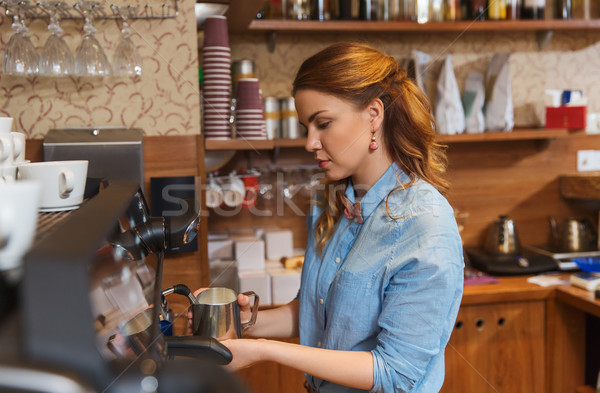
[182, 229]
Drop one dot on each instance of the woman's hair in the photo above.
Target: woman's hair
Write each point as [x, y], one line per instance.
[358, 74]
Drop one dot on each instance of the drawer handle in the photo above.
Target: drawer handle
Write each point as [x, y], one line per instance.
[459, 325]
[501, 321]
[479, 323]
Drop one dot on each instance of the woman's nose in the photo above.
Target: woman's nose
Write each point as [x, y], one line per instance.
[313, 143]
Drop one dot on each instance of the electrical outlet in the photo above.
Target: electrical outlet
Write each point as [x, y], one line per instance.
[588, 160]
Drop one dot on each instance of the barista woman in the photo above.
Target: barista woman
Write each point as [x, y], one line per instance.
[383, 271]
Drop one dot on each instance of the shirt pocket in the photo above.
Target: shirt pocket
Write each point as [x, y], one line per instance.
[354, 301]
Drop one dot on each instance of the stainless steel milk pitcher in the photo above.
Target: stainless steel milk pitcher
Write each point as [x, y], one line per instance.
[216, 313]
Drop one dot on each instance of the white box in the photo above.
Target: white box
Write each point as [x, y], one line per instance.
[223, 273]
[220, 247]
[250, 253]
[279, 243]
[285, 284]
[258, 281]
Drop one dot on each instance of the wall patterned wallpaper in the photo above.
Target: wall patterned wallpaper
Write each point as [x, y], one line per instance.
[163, 101]
[570, 61]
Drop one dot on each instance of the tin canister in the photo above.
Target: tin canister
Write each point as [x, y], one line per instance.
[290, 127]
[272, 117]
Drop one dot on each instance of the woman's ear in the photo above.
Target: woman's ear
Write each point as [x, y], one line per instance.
[376, 110]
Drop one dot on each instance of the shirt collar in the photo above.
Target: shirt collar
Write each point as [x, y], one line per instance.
[391, 179]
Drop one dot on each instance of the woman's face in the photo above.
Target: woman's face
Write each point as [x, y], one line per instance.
[338, 133]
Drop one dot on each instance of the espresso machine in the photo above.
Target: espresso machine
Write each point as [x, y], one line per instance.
[89, 274]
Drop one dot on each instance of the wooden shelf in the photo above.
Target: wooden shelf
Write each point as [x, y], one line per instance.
[515, 135]
[459, 26]
[244, 144]
[519, 134]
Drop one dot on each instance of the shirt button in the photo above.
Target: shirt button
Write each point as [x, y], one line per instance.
[321, 301]
[338, 260]
[356, 220]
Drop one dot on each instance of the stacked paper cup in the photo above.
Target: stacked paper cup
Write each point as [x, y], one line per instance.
[216, 85]
[249, 113]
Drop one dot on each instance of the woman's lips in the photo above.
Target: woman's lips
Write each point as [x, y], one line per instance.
[323, 163]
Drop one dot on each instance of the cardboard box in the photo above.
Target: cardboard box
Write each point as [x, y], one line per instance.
[249, 253]
[224, 273]
[569, 117]
[285, 284]
[220, 247]
[278, 243]
[258, 281]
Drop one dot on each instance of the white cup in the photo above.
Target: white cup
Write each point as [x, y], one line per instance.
[63, 182]
[233, 191]
[214, 194]
[6, 149]
[8, 174]
[18, 139]
[19, 203]
[6, 125]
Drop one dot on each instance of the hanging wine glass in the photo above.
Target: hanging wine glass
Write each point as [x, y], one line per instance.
[20, 56]
[56, 58]
[90, 59]
[127, 60]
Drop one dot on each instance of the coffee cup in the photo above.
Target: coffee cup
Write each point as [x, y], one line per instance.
[214, 194]
[8, 174]
[18, 140]
[216, 313]
[233, 191]
[19, 202]
[6, 125]
[6, 149]
[62, 182]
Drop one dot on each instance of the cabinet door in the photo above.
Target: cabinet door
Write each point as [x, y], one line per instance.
[497, 348]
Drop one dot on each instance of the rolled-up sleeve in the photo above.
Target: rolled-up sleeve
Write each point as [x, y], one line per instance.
[420, 305]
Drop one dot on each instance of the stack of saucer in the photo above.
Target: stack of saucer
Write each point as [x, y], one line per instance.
[249, 113]
[216, 84]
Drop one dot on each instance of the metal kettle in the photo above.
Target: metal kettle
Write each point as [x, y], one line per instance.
[502, 238]
[574, 235]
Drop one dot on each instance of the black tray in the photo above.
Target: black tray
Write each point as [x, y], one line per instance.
[526, 262]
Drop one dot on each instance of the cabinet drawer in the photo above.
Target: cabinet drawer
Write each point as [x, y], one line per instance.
[497, 348]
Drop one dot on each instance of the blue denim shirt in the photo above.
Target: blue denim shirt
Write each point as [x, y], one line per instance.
[389, 286]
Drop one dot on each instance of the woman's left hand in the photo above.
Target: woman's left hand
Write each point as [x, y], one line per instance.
[246, 352]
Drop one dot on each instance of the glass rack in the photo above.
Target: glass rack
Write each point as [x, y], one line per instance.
[81, 9]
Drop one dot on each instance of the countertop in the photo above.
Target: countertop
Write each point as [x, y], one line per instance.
[510, 289]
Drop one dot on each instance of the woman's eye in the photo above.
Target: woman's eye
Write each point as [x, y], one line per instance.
[322, 126]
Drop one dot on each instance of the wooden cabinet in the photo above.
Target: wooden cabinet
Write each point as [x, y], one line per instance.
[497, 348]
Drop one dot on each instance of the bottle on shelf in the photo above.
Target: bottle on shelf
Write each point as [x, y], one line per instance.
[368, 10]
[422, 11]
[563, 9]
[319, 10]
[478, 10]
[497, 10]
[513, 9]
[345, 9]
[533, 9]
[451, 11]
[436, 10]
[407, 10]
